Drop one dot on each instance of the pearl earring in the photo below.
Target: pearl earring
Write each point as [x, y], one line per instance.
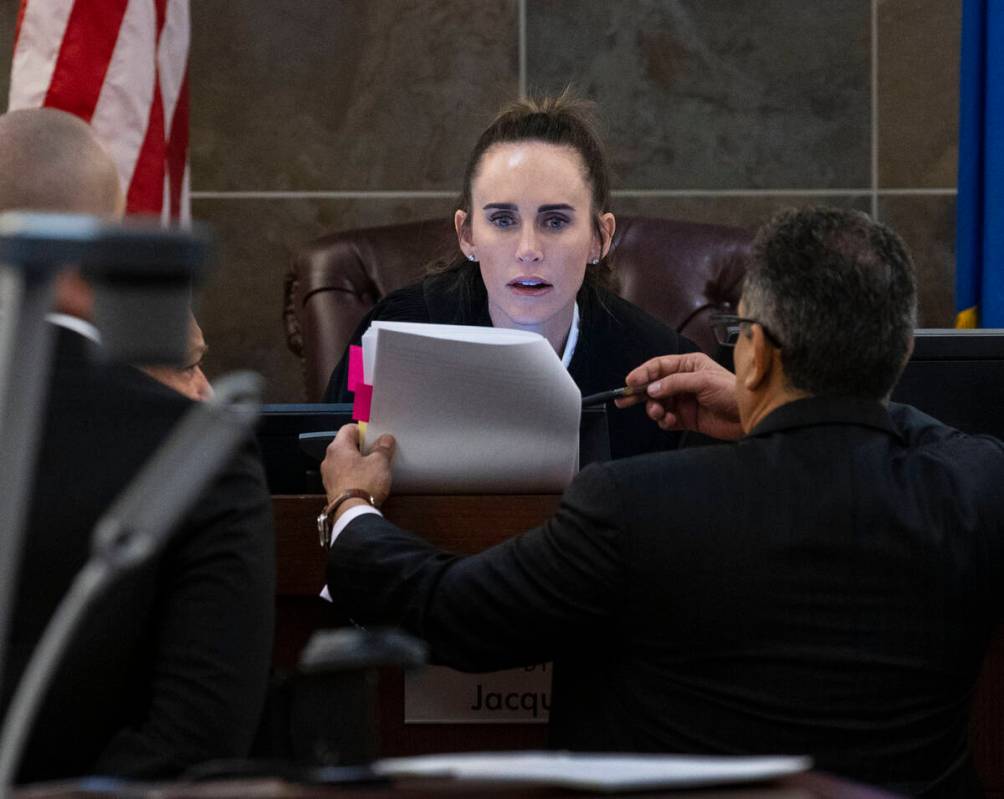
[470, 257]
[595, 261]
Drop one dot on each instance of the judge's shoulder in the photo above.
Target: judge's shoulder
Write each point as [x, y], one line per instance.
[405, 304]
[455, 297]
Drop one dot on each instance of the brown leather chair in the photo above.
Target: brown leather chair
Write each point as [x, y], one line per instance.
[677, 271]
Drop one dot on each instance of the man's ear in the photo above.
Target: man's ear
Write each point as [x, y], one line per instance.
[762, 362]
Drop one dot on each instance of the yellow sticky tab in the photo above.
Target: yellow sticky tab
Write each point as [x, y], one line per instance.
[362, 435]
[968, 319]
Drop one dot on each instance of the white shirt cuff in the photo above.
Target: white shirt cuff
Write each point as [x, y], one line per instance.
[348, 516]
[341, 524]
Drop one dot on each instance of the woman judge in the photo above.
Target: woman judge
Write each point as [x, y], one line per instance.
[534, 228]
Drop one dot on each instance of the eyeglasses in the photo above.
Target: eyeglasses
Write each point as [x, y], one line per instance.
[727, 328]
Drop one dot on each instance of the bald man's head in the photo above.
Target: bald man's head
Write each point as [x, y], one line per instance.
[51, 161]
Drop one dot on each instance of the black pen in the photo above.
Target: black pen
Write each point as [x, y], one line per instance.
[617, 393]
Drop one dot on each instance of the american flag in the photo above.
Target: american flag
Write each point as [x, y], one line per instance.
[122, 66]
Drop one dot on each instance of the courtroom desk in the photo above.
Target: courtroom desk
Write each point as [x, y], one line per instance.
[810, 785]
[458, 523]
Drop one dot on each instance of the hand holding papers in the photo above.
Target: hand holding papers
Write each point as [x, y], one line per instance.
[473, 409]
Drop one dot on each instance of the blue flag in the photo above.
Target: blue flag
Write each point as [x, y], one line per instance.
[979, 268]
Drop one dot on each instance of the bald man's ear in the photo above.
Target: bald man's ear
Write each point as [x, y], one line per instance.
[73, 295]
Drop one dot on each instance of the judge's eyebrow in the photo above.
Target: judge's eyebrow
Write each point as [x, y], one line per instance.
[540, 210]
[555, 207]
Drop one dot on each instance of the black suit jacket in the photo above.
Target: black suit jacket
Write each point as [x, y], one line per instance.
[615, 336]
[825, 586]
[169, 669]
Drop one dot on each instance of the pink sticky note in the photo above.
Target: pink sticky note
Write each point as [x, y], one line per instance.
[361, 403]
[355, 368]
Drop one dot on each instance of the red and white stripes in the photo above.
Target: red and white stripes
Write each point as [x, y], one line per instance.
[120, 65]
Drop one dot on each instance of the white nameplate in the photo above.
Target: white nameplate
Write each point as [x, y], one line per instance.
[438, 695]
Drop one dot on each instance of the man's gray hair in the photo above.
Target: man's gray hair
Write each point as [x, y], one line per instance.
[838, 290]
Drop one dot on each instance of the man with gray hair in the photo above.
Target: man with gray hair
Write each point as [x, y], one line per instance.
[827, 585]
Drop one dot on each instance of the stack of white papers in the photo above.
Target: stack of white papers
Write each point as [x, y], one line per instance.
[473, 409]
[596, 772]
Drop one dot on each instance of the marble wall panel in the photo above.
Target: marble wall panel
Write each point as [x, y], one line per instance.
[741, 211]
[717, 95]
[918, 92]
[927, 225]
[240, 309]
[354, 94]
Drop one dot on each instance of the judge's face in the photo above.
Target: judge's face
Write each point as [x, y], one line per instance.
[531, 230]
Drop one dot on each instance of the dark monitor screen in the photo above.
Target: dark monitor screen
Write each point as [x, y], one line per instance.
[957, 376]
[288, 469]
